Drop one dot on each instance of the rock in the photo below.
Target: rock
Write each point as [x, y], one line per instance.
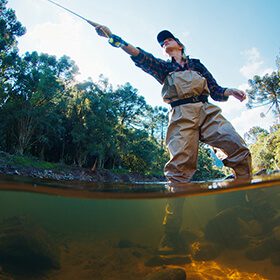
[190, 236]
[167, 274]
[251, 228]
[261, 250]
[168, 260]
[267, 247]
[5, 277]
[124, 243]
[276, 233]
[26, 247]
[136, 254]
[224, 229]
[205, 251]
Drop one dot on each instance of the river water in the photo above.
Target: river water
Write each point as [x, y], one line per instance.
[73, 230]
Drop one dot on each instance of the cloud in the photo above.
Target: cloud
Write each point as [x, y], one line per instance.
[242, 118]
[236, 112]
[244, 86]
[250, 118]
[254, 64]
[54, 38]
[69, 36]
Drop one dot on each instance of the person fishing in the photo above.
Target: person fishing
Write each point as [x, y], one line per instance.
[187, 85]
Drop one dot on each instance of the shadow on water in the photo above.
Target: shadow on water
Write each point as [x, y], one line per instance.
[77, 230]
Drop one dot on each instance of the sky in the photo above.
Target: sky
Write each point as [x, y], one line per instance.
[234, 39]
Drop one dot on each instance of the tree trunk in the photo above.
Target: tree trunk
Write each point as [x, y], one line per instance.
[25, 130]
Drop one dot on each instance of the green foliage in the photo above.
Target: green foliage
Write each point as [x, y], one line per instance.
[32, 109]
[46, 114]
[252, 135]
[130, 107]
[205, 168]
[141, 153]
[10, 29]
[28, 161]
[266, 151]
[91, 120]
[156, 122]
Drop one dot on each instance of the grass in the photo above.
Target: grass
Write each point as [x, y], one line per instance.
[27, 161]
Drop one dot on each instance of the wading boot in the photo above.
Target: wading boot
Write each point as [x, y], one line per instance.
[172, 243]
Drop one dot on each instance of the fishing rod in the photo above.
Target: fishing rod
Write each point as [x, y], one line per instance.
[94, 24]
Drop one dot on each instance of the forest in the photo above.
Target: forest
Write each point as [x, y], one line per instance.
[46, 114]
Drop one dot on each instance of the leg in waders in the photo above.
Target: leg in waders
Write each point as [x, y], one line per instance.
[204, 122]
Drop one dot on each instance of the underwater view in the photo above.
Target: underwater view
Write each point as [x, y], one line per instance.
[61, 230]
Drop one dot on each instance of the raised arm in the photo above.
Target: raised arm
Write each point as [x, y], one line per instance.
[104, 31]
[156, 67]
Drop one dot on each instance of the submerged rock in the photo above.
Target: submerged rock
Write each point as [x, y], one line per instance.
[168, 260]
[224, 229]
[167, 274]
[124, 243]
[190, 236]
[261, 250]
[205, 251]
[26, 247]
[266, 247]
[4, 276]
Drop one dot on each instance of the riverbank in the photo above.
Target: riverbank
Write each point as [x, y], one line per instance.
[22, 166]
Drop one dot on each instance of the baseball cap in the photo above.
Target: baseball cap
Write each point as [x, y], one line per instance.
[165, 34]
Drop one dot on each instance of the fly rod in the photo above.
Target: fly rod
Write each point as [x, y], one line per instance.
[94, 24]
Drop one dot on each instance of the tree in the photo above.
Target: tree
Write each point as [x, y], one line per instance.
[31, 110]
[252, 135]
[91, 124]
[131, 108]
[266, 91]
[274, 128]
[10, 29]
[274, 146]
[156, 122]
[266, 151]
[141, 153]
[205, 167]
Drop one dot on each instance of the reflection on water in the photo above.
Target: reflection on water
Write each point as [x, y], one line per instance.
[48, 232]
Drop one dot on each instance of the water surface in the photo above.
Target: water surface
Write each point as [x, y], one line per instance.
[112, 231]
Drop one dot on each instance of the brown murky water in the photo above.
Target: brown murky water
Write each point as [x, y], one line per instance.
[62, 230]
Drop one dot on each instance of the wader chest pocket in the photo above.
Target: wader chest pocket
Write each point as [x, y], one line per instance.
[183, 84]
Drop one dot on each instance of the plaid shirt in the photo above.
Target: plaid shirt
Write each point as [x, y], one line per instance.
[159, 69]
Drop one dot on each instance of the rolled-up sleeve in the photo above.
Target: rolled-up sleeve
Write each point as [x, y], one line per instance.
[216, 91]
[156, 67]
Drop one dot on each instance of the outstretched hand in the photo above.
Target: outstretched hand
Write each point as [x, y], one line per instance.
[103, 31]
[238, 94]
[116, 41]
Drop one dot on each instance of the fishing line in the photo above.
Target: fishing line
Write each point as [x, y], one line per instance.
[94, 24]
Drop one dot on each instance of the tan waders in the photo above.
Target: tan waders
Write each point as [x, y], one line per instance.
[188, 124]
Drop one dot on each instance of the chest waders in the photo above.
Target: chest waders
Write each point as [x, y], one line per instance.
[193, 119]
